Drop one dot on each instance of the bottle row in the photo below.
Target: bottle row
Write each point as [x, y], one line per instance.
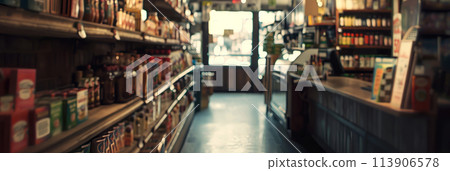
[363, 4]
[125, 14]
[358, 60]
[137, 126]
[367, 21]
[372, 39]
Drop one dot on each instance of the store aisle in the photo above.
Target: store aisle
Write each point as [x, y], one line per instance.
[232, 125]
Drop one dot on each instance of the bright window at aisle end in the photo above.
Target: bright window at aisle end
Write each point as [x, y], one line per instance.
[231, 38]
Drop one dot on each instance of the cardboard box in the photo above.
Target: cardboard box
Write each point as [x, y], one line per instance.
[40, 125]
[22, 85]
[14, 131]
[82, 103]
[6, 103]
[55, 107]
[70, 113]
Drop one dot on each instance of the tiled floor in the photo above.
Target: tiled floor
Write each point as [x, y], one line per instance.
[232, 125]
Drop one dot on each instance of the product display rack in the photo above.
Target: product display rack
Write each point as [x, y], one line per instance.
[364, 72]
[164, 86]
[165, 9]
[103, 117]
[100, 119]
[17, 21]
[137, 145]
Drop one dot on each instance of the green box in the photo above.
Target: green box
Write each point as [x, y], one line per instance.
[70, 113]
[56, 119]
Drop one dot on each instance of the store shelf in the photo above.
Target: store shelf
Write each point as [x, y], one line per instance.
[181, 131]
[385, 11]
[17, 21]
[435, 7]
[367, 28]
[164, 86]
[100, 119]
[173, 42]
[364, 47]
[131, 149]
[357, 69]
[322, 24]
[165, 10]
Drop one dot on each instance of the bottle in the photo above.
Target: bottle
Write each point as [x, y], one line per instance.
[374, 21]
[383, 22]
[341, 21]
[369, 22]
[378, 21]
[356, 39]
[361, 39]
[352, 38]
[366, 39]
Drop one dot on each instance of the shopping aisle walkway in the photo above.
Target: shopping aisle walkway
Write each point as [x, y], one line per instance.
[232, 125]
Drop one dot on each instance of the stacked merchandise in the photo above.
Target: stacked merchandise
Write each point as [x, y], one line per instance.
[363, 4]
[138, 126]
[369, 39]
[17, 99]
[29, 119]
[124, 14]
[351, 20]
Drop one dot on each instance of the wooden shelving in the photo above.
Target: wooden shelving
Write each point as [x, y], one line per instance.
[160, 120]
[357, 69]
[363, 47]
[100, 119]
[165, 10]
[385, 11]
[20, 22]
[367, 28]
[164, 86]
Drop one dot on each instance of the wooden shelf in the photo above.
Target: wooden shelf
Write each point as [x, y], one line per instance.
[367, 28]
[20, 22]
[357, 69]
[100, 119]
[158, 122]
[364, 47]
[165, 10]
[435, 7]
[386, 11]
[164, 86]
[323, 24]
[174, 146]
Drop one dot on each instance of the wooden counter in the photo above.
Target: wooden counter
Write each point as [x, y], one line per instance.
[344, 119]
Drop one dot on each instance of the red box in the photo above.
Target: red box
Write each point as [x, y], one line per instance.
[40, 128]
[14, 131]
[22, 85]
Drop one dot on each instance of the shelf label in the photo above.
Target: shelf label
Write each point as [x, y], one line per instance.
[80, 30]
[116, 34]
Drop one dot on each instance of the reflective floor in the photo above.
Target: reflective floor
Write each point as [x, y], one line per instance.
[232, 125]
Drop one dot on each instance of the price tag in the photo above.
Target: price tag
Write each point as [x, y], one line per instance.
[116, 34]
[80, 30]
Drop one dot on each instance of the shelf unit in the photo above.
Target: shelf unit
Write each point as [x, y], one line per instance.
[164, 86]
[167, 11]
[364, 73]
[158, 122]
[100, 119]
[357, 69]
[20, 22]
[367, 28]
[363, 47]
